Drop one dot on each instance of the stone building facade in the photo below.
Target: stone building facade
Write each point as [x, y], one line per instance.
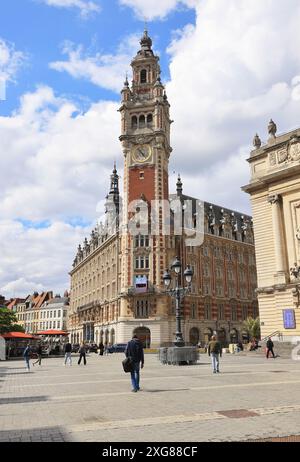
[117, 277]
[275, 197]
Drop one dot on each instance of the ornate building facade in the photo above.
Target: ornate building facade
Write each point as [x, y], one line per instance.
[117, 277]
[275, 197]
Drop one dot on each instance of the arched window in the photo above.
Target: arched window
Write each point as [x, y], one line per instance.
[144, 76]
[149, 120]
[142, 121]
[134, 122]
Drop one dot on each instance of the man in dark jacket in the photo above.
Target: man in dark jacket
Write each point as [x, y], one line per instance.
[68, 353]
[215, 350]
[134, 349]
[270, 346]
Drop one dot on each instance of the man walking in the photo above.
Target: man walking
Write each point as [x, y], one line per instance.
[134, 349]
[26, 355]
[68, 351]
[270, 346]
[215, 351]
[82, 353]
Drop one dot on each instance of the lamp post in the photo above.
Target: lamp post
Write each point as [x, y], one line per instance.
[178, 293]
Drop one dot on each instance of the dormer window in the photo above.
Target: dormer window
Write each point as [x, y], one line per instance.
[144, 76]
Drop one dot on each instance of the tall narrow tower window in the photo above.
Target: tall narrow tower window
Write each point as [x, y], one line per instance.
[134, 122]
[149, 120]
[144, 76]
[142, 121]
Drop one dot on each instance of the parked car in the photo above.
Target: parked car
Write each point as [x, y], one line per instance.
[91, 348]
[117, 348]
[75, 348]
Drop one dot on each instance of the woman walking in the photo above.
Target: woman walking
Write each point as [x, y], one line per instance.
[82, 353]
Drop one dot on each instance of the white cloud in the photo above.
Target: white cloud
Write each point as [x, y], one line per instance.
[36, 259]
[104, 70]
[11, 61]
[230, 73]
[237, 67]
[85, 7]
[59, 159]
[153, 9]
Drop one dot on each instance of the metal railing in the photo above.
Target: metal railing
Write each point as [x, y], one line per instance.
[277, 333]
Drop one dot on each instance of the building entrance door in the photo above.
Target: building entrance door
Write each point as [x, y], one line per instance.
[144, 335]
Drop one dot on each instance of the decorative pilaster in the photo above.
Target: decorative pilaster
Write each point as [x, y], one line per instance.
[281, 271]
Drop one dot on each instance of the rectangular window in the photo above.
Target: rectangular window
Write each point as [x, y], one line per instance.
[193, 311]
[245, 312]
[207, 311]
[141, 310]
[233, 313]
[221, 312]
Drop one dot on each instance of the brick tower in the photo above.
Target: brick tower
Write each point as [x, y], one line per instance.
[146, 146]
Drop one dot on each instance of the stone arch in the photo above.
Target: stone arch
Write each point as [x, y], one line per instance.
[134, 122]
[144, 334]
[106, 337]
[194, 336]
[234, 335]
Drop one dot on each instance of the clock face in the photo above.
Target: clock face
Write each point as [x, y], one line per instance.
[141, 153]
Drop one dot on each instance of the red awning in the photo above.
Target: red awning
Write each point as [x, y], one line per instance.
[52, 332]
[17, 335]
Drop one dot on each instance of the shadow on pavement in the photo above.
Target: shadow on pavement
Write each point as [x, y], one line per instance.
[23, 399]
[164, 391]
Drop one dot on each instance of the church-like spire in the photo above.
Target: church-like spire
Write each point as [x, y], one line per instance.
[146, 42]
[179, 186]
[114, 182]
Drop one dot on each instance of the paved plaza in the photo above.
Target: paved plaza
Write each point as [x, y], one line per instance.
[252, 398]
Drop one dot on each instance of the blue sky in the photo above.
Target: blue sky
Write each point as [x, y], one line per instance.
[39, 31]
[229, 66]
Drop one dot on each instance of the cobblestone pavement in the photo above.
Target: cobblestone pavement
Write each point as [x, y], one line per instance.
[252, 398]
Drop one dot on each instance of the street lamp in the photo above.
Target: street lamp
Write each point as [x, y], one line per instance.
[178, 293]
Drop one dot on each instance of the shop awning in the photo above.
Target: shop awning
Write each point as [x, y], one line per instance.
[19, 335]
[52, 332]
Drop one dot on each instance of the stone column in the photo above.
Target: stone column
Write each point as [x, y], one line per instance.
[280, 275]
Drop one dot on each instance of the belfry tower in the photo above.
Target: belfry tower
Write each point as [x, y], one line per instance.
[145, 138]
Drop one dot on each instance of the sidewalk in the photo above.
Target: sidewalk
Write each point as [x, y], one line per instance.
[252, 398]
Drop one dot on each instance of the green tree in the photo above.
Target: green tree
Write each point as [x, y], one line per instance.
[253, 327]
[8, 321]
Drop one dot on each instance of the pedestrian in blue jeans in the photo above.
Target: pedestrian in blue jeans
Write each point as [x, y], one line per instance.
[215, 351]
[27, 355]
[134, 349]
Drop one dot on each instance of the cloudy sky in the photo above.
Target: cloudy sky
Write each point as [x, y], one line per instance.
[228, 65]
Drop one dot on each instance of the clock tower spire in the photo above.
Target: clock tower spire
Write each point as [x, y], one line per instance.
[145, 139]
